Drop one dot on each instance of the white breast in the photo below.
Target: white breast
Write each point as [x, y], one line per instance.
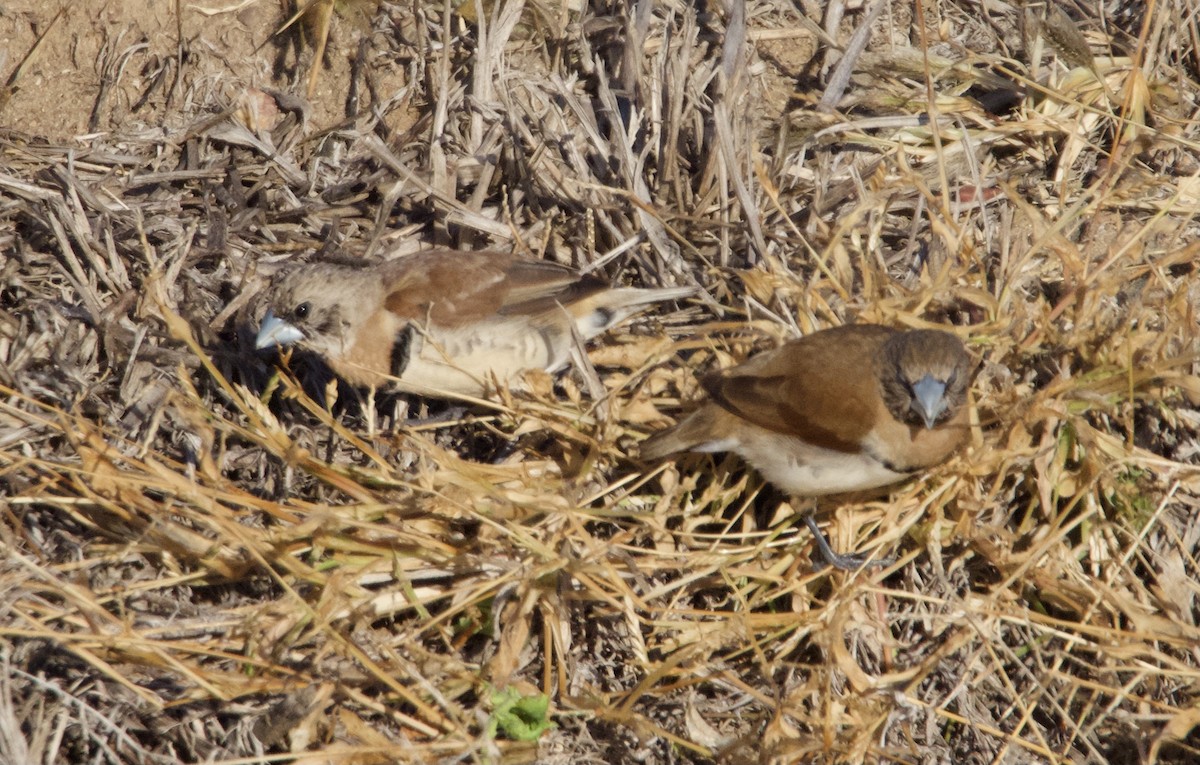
[805, 470]
[466, 360]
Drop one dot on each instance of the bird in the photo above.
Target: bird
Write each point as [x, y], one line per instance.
[847, 409]
[444, 323]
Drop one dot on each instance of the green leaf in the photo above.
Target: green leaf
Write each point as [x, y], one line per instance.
[517, 717]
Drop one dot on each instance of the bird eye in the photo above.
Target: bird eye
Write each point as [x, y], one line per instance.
[301, 311]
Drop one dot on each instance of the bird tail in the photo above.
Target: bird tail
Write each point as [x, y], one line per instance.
[693, 433]
[661, 444]
[605, 309]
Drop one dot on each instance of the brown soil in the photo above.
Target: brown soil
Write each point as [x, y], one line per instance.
[127, 64]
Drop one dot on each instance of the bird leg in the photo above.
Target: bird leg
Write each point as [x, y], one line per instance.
[838, 560]
[451, 415]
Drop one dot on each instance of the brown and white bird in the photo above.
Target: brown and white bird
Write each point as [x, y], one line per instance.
[846, 409]
[445, 322]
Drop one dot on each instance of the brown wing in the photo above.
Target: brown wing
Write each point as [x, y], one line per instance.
[453, 287]
[821, 387]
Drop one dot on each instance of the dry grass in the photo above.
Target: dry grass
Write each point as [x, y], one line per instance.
[205, 560]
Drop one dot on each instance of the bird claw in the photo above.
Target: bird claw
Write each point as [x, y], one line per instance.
[830, 558]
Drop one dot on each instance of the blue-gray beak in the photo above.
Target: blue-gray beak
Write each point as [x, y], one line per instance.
[929, 398]
[275, 331]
